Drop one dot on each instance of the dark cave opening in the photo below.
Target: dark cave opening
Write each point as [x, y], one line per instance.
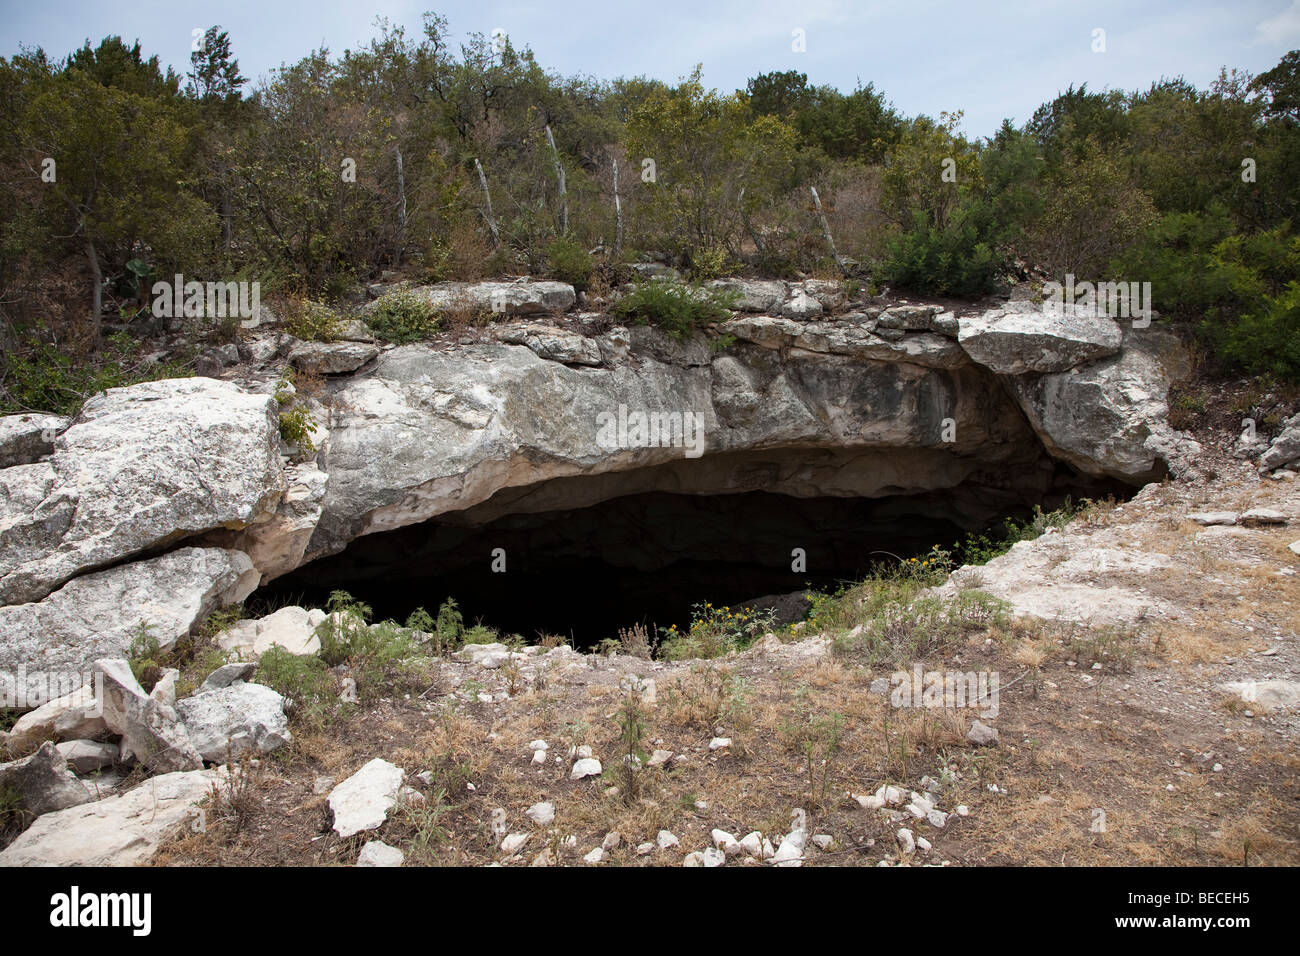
[583, 573]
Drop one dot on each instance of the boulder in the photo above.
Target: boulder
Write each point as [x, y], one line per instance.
[293, 628]
[331, 358]
[1109, 417]
[752, 295]
[1021, 337]
[151, 732]
[1285, 449]
[362, 801]
[25, 439]
[88, 756]
[42, 783]
[234, 721]
[100, 614]
[72, 717]
[121, 830]
[228, 674]
[139, 467]
[552, 344]
[522, 297]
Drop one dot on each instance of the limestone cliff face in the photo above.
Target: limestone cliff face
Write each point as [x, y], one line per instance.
[542, 415]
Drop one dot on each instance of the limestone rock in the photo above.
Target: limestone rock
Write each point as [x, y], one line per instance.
[1021, 337]
[501, 298]
[72, 717]
[150, 731]
[981, 734]
[331, 358]
[25, 439]
[88, 756]
[139, 467]
[378, 853]
[293, 628]
[1285, 449]
[234, 721]
[42, 782]
[120, 830]
[362, 801]
[99, 614]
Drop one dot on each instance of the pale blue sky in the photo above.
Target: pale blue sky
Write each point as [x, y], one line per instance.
[992, 59]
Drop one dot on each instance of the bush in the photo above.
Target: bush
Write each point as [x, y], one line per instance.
[676, 307]
[715, 631]
[312, 322]
[43, 377]
[949, 260]
[403, 316]
[307, 682]
[570, 262]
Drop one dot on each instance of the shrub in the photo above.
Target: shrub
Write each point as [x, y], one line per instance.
[40, 376]
[948, 260]
[402, 316]
[312, 322]
[306, 681]
[715, 631]
[570, 262]
[676, 307]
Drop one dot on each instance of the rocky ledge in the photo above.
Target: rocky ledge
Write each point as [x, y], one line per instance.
[160, 502]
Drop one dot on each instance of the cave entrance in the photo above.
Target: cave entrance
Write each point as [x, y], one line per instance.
[583, 573]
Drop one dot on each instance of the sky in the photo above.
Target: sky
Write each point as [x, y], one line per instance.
[993, 60]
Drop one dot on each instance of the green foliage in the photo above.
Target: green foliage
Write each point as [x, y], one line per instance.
[382, 657]
[145, 656]
[43, 377]
[313, 322]
[982, 548]
[677, 308]
[402, 316]
[570, 262]
[715, 631]
[949, 260]
[296, 423]
[305, 680]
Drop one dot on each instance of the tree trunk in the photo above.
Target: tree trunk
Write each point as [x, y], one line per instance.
[618, 215]
[826, 230]
[487, 203]
[97, 294]
[559, 175]
[401, 206]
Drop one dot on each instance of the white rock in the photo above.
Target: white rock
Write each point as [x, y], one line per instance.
[981, 734]
[514, 843]
[290, 628]
[595, 856]
[74, 716]
[1262, 516]
[587, 767]
[151, 732]
[362, 801]
[539, 756]
[752, 843]
[121, 830]
[823, 841]
[712, 857]
[539, 745]
[542, 814]
[138, 465]
[659, 758]
[666, 840]
[719, 743]
[234, 721]
[906, 841]
[378, 853]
